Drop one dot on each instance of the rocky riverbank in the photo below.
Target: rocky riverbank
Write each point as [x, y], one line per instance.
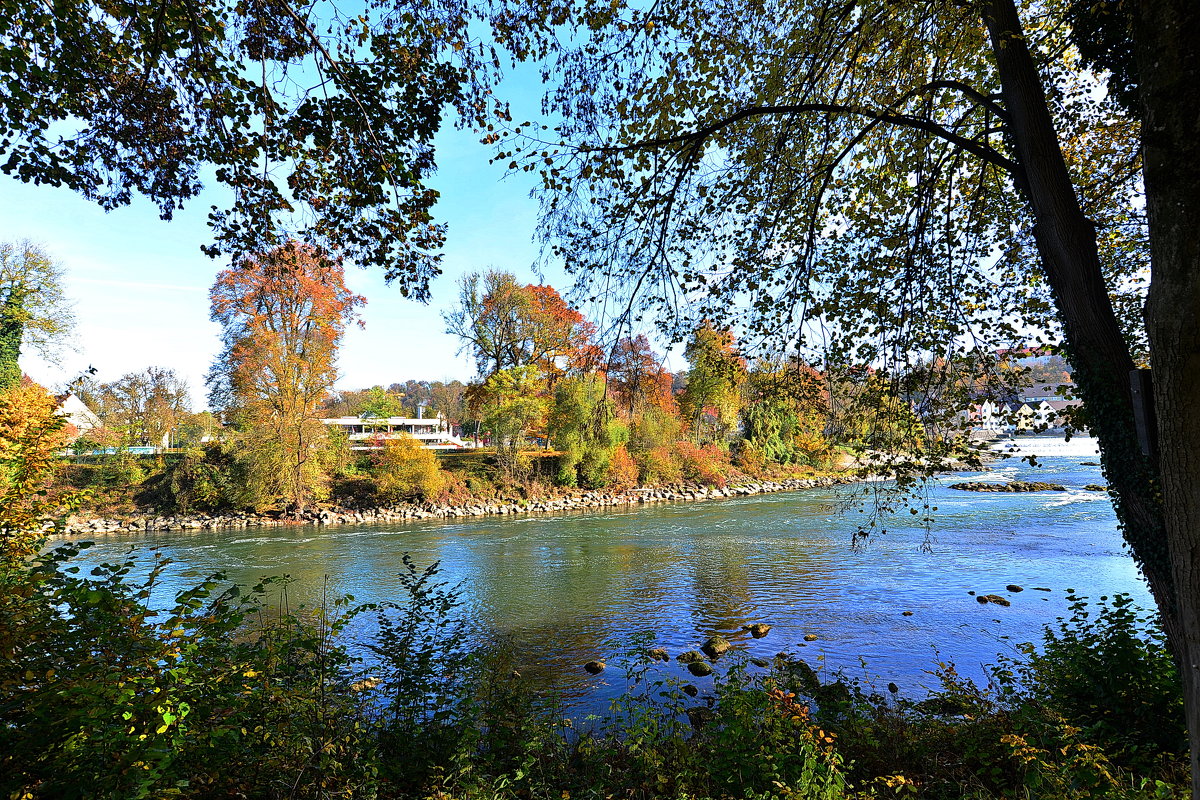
[574, 501]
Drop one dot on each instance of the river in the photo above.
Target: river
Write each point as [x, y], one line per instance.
[564, 588]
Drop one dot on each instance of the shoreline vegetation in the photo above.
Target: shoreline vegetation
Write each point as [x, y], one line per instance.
[558, 501]
[541, 499]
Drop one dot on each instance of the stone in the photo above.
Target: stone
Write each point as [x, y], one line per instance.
[893, 688]
[690, 657]
[758, 629]
[906, 613]
[699, 668]
[699, 716]
[595, 667]
[810, 637]
[1011, 486]
[690, 690]
[994, 599]
[1012, 587]
[760, 662]
[658, 654]
[715, 647]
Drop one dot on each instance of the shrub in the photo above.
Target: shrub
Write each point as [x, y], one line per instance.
[659, 466]
[202, 479]
[1107, 670]
[706, 465]
[622, 471]
[406, 471]
[106, 698]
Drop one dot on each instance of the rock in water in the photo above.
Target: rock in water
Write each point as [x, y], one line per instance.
[594, 667]
[715, 647]
[1011, 486]
[810, 637]
[699, 668]
[760, 662]
[907, 613]
[690, 657]
[1012, 587]
[994, 599]
[658, 654]
[758, 630]
[893, 688]
[699, 716]
[690, 690]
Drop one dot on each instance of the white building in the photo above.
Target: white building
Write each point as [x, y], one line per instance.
[77, 414]
[370, 433]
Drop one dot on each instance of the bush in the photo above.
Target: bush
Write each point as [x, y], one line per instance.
[406, 471]
[659, 466]
[106, 698]
[622, 471]
[1108, 671]
[205, 479]
[707, 465]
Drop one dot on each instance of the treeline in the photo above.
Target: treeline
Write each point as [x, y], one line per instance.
[553, 404]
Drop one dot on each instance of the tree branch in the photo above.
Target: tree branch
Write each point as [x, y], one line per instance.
[901, 120]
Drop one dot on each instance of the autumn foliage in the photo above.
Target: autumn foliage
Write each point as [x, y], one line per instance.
[283, 315]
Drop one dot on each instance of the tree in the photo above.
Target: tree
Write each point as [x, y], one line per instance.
[784, 411]
[30, 436]
[34, 312]
[583, 428]
[511, 403]
[319, 123]
[504, 325]
[637, 378]
[712, 398]
[381, 403]
[142, 408]
[907, 180]
[283, 315]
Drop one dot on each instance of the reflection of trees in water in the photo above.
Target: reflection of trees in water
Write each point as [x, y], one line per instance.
[735, 584]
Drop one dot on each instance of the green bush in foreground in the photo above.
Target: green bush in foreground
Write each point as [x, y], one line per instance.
[230, 693]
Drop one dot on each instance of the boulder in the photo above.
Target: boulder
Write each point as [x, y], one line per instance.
[690, 690]
[715, 647]
[758, 629]
[690, 657]
[995, 599]
[658, 654]
[699, 716]
[699, 668]
[760, 662]
[595, 667]
[810, 637]
[1012, 587]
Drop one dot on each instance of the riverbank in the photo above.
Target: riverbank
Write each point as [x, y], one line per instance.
[408, 512]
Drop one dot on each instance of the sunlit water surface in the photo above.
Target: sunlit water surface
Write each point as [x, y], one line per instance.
[567, 588]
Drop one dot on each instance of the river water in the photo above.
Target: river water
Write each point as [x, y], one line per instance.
[566, 588]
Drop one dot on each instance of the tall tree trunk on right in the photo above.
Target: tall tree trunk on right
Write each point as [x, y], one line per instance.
[1168, 52]
[1162, 526]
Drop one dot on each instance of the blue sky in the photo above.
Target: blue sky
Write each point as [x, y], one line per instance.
[140, 285]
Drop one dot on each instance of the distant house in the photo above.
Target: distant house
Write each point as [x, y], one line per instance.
[370, 433]
[1038, 408]
[77, 414]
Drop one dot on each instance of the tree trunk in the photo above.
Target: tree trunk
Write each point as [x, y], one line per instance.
[1168, 52]
[1066, 241]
